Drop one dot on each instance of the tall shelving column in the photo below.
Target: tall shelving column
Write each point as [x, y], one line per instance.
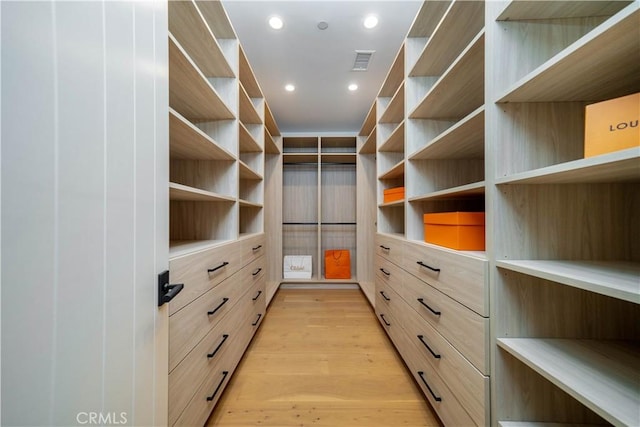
[272, 201]
[566, 299]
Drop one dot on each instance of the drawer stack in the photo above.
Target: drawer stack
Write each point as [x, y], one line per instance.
[433, 303]
[211, 323]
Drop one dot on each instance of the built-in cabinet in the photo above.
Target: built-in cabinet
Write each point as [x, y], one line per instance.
[223, 142]
[483, 110]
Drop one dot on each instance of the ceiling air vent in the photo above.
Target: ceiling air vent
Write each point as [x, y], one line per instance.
[363, 57]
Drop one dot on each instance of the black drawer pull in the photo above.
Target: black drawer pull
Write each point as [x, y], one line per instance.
[213, 353]
[257, 296]
[257, 320]
[224, 264]
[429, 267]
[437, 399]
[256, 248]
[255, 273]
[384, 296]
[385, 272]
[385, 320]
[224, 301]
[421, 301]
[421, 338]
[224, 377]
[385, 248]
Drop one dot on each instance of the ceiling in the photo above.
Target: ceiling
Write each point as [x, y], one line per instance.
[319, 62]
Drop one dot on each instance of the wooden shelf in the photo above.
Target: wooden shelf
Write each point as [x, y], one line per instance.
[460, 90]
[248, 204]
[556, 9]
[248, 112]
[190, 93]
[464, 140]
[270, 146]
[369, 122]
[181, 192]
[299, 158]
[396, 203]
[186, 141]
[428, 18]
[344, 158]
[395, 172]
[544, 424]
[395, 142]
[577, 74]
[475, 189]
[619, 166]
[248, 143]
[394, 113]
[460, 24]
[395, 76]
[270, 122]
[179, 248]
[619, 280]
[215, 15]
[195, 36]
[247, 78]
[602, 375]
[245, 172]
[369, 146]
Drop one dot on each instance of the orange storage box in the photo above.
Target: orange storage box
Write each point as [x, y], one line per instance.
[462, 231]
[612, 125]
[393, 194]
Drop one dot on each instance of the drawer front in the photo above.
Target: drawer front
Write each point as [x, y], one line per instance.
[442, 399]
[470, 387]
[189, 325]
[465, 329]
[201, 362]
[462, 277]
[390, 248]
[389, 273]
[385, 306]
[252, 248]
[201, 271]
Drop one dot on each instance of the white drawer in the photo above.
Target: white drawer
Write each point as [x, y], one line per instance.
[469, 385]
[461, 276]
[201, 271]
[466, 330]
[389, 247]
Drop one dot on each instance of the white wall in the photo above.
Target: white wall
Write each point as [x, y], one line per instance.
[84, 172]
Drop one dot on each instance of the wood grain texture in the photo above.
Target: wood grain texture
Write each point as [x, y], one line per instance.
[428, 176]
[248, 78]
[270, 122]
[395, 141]
[428, 18]
[202, 220]
[185, 193]
[352, 375]
[523, 10]
[248, 112]
[366, 219]
[394, 77]
[369, 121]
[216, 176]
[273, 217]
[215, 15]
[186, 141]
[394, 113]
[247, 142]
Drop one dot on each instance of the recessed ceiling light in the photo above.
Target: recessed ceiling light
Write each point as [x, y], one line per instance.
[353, 87]
[370, 21]
[276, 22]
[289, 88]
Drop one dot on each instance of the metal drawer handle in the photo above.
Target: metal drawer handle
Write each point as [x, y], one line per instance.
[384, 296]
[421, 338]
[420, 263]
[257, 320]
[213, 353]
[224, 301]
[421, 301]
[257, 296]
[224, 377]
[256, 248]
[255, 273]
[385, 272]
[385, 248]
[224, 264]
[385, 320]
[437, 399]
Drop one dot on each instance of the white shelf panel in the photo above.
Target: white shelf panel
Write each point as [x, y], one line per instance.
[395, 142]
[464, 140]
[475, 189]
[462, 21]
[245, 172]
[619, 280]
[619, 166]
[460, 90]
[602, 375]
[555, 9]
[186, 141]
[181, 192]
[248, 143]
[190, 93]
[577, 73]
[395, 172]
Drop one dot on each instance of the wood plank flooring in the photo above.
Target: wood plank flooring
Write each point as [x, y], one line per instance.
[320, 358]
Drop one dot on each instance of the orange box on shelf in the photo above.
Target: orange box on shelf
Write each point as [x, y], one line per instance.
[393, 194]
[463, 231]
[612, 125]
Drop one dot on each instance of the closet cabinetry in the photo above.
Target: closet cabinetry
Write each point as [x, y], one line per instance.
[566, 292]
[319, 199]
[220, 133]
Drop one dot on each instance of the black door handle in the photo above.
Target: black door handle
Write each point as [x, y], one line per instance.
[427, 266]
[421, 301]
[213, 353]
[224, 376]
[434, 354]
[167, 292]
[211, 270]
[437, 398]
[224, 301]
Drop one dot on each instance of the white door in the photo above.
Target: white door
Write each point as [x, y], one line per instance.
[84, 213]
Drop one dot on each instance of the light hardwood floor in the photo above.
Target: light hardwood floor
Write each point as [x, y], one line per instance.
[321, 359]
